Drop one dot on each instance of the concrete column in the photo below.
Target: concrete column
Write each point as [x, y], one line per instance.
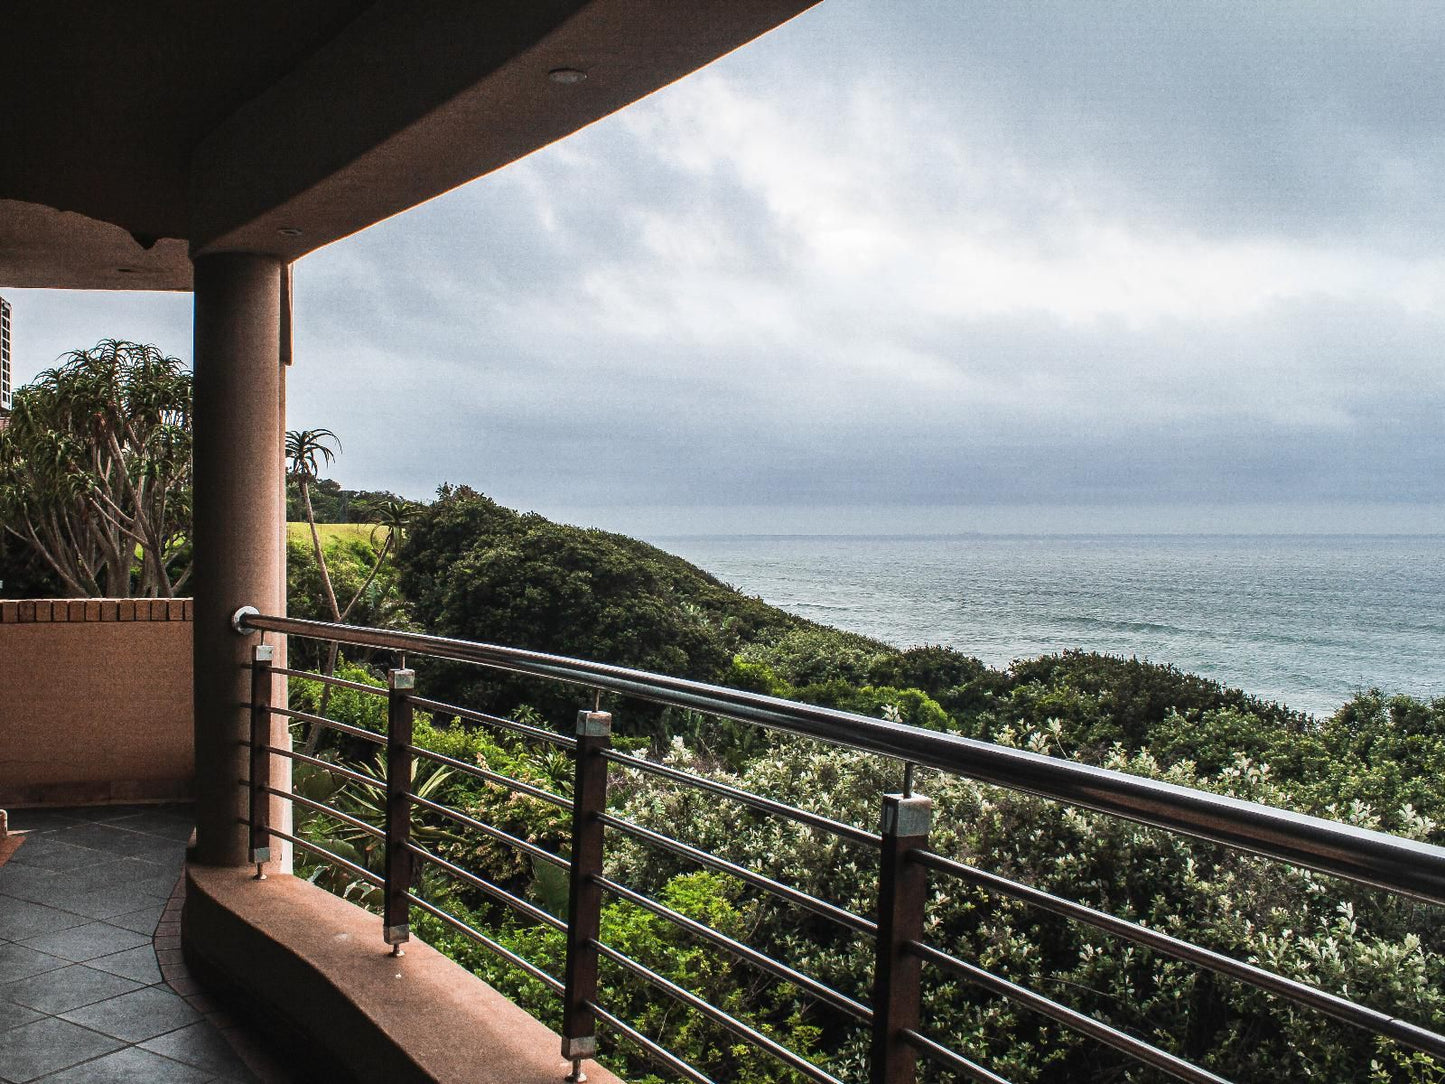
[239, 522]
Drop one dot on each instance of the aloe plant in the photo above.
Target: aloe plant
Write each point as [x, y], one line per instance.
[366, 803]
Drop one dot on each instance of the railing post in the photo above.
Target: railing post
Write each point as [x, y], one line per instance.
[260, 767]
[584, 900]
[902, 893]
[397, 921]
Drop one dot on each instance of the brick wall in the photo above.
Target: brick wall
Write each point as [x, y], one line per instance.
[95, 701]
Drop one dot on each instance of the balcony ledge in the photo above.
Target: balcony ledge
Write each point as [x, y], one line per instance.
[311, 971]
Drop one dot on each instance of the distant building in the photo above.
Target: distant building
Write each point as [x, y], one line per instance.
[6, 392]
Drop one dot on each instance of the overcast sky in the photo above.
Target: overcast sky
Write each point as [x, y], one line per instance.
[922, 266]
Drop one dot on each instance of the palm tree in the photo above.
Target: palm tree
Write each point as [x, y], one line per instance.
[306, 450]
[390, 516]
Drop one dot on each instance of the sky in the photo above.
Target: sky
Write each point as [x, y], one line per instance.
[919, 267]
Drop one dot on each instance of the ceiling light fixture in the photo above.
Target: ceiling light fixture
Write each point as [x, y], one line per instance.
[567, 76]
[289, 231]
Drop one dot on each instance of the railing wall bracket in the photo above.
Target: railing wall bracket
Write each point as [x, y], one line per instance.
[262, 657]
[584, 901]
[400, 685]
[902, 894]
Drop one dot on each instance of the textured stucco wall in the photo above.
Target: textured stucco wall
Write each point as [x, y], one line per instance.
[95, 701]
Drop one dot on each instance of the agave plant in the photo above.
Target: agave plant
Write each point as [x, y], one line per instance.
[367, 803]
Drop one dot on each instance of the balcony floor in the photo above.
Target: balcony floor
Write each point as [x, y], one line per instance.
[92, 986]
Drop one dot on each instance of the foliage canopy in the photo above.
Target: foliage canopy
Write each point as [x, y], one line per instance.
[471, 568]
[95, 470]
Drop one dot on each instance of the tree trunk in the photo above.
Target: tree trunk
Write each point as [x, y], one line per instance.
[316, 548]
[314, 737]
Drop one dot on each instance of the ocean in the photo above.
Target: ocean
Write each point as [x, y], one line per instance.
[1306, 620]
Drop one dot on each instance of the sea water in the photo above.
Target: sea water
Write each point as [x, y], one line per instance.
[1305, 620]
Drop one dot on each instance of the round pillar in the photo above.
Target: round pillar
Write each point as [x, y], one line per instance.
[239, 531]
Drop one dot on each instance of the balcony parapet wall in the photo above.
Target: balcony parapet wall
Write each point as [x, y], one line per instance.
[95, 701]
[312, 973]
[40, 611]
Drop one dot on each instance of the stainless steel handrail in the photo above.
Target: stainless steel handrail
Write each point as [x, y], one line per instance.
[1400, 865]
[1084, 1024]
[1392, 1027]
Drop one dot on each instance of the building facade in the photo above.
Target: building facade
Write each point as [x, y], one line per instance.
[6, 391]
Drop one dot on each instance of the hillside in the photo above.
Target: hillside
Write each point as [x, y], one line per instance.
[472, 568]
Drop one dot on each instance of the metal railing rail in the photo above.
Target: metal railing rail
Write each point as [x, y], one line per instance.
[1401, 866]
[1063, 1014]
[1340, 1008]
[525, 965]
[742, 951]
[788, 893]
[495, 778]
[849, 832]
[970, 1070]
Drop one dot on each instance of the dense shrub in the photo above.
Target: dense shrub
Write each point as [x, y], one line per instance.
[476, 570]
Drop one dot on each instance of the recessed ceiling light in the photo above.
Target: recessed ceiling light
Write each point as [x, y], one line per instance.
[566, 76]
[289, 231]
[128, 270]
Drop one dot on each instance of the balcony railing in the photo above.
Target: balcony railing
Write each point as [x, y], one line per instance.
[896, 925]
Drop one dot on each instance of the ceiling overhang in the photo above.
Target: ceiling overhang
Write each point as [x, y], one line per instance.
[253, 128]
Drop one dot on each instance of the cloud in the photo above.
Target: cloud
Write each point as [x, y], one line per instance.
[50, 323]
[1110, 253]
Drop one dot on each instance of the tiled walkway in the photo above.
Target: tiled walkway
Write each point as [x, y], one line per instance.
[82, 996]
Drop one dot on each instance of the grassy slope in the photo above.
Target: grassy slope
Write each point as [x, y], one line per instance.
[297, 531]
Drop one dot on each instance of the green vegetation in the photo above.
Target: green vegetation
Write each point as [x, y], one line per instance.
[330, 532]
[332, 504]
[95, 475]
[353, 552]
[471, 568]
[475, 570]
[95, 498]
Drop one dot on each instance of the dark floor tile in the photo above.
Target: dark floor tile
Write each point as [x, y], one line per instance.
[20, 919]
[142, 920]
[262, 1063]
[46, 1046]
[165, 826]
[21, 961]
[159, 855]
[203, 1046]
[103, 874]
[164, 857]
[100, 814]
[66, 988]
[109, 840]
[81, 943]
[13, 1015]
[131, 1066]
[137, 963]
[54, 853]
[23, 881]
[43, 886]
[160, 886]
[40, 821]
[137, 1016]
[105, 902]
[166, 853]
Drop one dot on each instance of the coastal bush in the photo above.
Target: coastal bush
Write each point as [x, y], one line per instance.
[473, 569]
[485, 572]
[351, 554]
[1351, 941]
